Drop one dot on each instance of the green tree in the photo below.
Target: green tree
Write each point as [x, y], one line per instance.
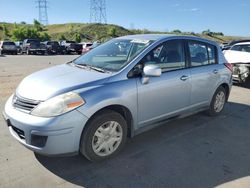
[112, 32]
[18, 34]
[77, 37]
[37, 25]
[62, 37]
[6, 33]
[177, 31]
[44, 36]
[207, 32]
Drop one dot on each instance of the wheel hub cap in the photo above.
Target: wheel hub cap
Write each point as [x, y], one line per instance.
[219, 101]
[107, 138]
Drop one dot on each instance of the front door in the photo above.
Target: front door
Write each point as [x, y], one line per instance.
[169, 94]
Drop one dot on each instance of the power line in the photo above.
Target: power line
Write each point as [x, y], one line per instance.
[43, 15]
[98, 11]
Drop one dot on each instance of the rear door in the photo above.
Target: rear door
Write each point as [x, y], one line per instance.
[169, 94]
[204, 71]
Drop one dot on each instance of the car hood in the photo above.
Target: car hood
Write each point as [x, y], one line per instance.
[237, 56]
[50, 82]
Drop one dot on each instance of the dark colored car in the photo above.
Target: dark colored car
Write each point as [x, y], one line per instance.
[8, 47]
[71, 47]
[52, 47]
[33, 46]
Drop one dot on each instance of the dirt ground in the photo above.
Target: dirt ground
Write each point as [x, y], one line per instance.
[197, 151]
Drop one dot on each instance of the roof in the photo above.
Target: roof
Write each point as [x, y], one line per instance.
[242, 43]
[146, 36]
[157, 37]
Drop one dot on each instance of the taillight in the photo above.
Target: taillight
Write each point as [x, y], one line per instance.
[229, 66]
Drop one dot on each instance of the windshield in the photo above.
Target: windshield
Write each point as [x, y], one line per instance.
[113, 55]
[242, 48]
[8, 43]
[53, 43]
[33, 41]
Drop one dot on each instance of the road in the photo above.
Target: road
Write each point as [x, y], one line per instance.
[197, 151]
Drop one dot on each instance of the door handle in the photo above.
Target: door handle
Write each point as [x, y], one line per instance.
[184, 78]
[215, 71]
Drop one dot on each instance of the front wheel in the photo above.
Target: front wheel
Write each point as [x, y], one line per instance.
[104, 136]
[218, 102]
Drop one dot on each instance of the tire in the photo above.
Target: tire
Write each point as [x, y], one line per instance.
[99, 129]
[218, 102]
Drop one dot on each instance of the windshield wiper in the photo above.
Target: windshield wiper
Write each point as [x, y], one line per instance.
[98, 69]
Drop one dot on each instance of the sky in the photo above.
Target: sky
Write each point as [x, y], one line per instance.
[232, 17]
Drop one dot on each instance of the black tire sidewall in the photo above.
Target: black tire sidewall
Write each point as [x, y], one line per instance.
[90, 129]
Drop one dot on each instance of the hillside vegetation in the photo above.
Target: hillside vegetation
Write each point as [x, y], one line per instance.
[87, 32]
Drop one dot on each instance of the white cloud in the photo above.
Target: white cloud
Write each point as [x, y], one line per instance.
[189, 10]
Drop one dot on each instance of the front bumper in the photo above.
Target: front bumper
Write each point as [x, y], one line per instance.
[47, 136]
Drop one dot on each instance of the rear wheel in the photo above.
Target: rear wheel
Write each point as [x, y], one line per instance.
[104, 136]
[218, 102]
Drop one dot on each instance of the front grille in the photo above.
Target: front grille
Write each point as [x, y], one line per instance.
[19, 132]
[25, 105]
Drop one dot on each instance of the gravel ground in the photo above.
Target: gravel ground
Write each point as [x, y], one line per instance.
[197, 151]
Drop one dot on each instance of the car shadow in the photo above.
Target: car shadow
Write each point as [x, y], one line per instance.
[244, 85]
[196, 151]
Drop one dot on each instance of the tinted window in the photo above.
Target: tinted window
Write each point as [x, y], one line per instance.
[168, 56]
[70, 41]
[33, 41]
[55, 43]
[8, 43]
[242, 48]
[201, 54]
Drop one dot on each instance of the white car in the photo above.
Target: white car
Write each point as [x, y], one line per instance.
[239, 56]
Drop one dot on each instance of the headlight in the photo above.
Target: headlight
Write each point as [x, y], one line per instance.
[243, 69]
[58, 105]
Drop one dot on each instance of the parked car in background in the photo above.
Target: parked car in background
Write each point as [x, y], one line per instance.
[228, 45]
[239, 56]
[52, 47]
[95, 44]
[86, 47]
[71, 47]
[8, 47]
[91, 104]
[19, 46]
[33, 46]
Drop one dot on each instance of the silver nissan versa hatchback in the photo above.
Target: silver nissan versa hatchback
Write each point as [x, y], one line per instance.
[124, 86]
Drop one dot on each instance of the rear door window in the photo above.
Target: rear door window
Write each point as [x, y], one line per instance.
[201, 54]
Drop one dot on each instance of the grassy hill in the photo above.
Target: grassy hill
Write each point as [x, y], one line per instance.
[102, 32]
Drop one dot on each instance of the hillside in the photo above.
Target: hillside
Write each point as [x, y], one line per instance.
[87, 32]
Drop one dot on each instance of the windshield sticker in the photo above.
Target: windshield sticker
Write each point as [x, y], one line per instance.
[140, 41]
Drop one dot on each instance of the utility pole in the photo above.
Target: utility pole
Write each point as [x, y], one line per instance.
[98, 11]
[43, 15]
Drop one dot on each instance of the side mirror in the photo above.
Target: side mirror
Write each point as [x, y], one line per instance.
[150, 71]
